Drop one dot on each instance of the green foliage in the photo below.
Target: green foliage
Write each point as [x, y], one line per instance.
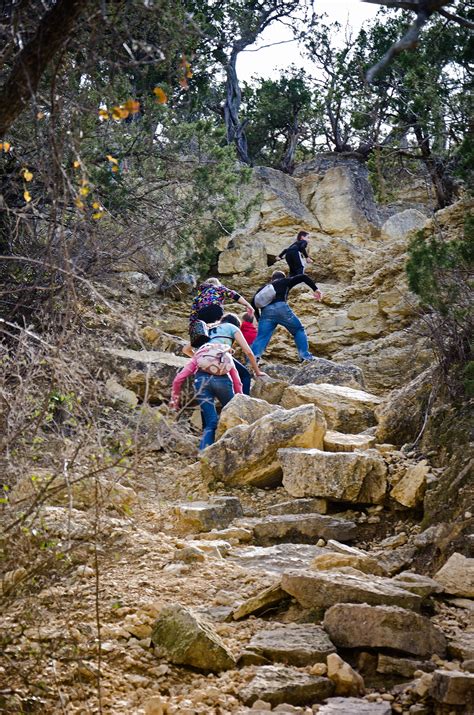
[441, 273]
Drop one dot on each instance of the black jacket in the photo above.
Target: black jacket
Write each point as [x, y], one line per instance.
[282, 288]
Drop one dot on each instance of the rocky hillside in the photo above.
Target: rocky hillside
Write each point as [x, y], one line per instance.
[287, 568]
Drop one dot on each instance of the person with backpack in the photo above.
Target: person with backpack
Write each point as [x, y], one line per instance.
[215, 377]
[272, 309]
[207, 308]
[296, 254]
[228, 331]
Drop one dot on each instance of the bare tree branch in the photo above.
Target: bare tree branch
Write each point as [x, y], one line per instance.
[457, 18]
[54, 29]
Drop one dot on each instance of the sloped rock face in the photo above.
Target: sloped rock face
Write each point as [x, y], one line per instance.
[457, 576]
[277, 684]
[293, 643]
[361, 256]
[247, 454]
[338, 476]
[327, 371]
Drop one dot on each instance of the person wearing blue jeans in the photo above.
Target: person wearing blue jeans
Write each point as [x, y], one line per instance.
[278, 312]
[208, 388]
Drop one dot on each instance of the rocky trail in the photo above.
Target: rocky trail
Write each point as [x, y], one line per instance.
[288, 568]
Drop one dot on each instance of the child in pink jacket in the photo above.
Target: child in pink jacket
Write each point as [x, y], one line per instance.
[208, 387]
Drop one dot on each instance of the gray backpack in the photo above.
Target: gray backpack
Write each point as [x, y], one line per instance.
[265, 296]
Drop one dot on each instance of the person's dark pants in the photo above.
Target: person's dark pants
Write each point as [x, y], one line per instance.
[244, 375]
[208, 388]
[295, 264]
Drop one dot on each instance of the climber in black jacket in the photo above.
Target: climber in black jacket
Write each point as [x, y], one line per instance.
[278, 312]
[296, 253]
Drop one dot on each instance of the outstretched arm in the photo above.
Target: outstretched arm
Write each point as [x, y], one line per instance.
[240, 340]
[242, 301]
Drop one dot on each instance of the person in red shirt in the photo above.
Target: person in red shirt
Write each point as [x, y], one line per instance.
[248, 328]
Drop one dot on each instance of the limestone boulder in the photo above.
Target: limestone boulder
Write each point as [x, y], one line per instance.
[417, 583]
[410, 490]
[401, 416]
[265, 599]
[242, 409]
[299, 506]
[347, 681]
[405, 667]
[345, 409]
[322, 589]
[453, 687]
[336, 561]
[243, 254]
[457, 576]
[118, 393]
[354, 706]
[138, 283]
[462, 647]
[337, 204]
[268, 389]
[401, 225]
[277, 684]
[325, 371]
[340, 442]
[338, 476]
[248, 454]
[194, 517]
[354, 625]
[184, 639]
[301, 528]
[292, 643]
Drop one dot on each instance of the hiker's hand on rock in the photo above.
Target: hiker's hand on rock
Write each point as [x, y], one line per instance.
[318, 295]
[260, 373]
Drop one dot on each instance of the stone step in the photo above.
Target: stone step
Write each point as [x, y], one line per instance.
[358, 477]
[341, 442]
[344, 408]
[297, 644]
[299, 528]
[323, 589]
[277, 684]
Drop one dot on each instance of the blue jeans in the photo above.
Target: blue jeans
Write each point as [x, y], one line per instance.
[280, 314]
[208, 387]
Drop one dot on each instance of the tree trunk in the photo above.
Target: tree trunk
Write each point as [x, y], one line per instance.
[287, 164]
[442, 181]
[234, 127]
[53, 31]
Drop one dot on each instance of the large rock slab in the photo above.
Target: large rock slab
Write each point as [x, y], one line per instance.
[400, 225]
[340, 442]
[339, 476]
[336, 561]
[242, 409]
[274, 559]
[301, 528]
[185, 639]
[293, 643]
[354, 625]
[268, 598]
[462, 647]
[353, 706]
[276, 684]
[410, 490]
[194, 517]
[269, 389]
[248, 454]
[325, 371]
[453, 687]
[345, 409]
[299, 506]
[457, 576]
[322, 589]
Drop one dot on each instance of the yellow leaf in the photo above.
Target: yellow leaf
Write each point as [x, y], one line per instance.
[115, 169]
[97, 215]
[103, 114]
[183, 82]
[119, 113]
[27, 196]
[40, 115]
[132, 106]
[76, 164]
[111, 159]
[80, 204]
[96, 205]
[161, 96]
[27, 175]
[5, 146]
[84, 191]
